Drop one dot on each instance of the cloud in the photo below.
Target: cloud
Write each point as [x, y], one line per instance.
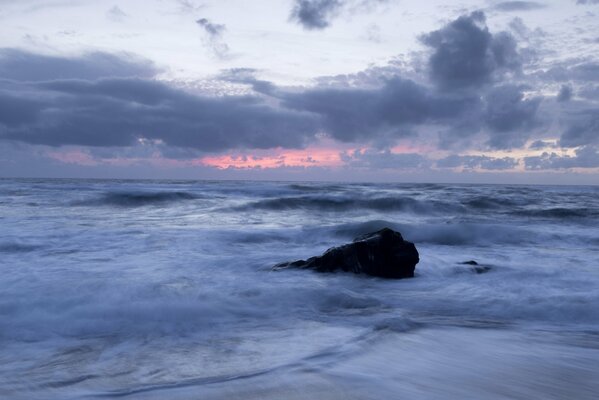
[389, 111]
[587, 1]
[117, 112]
[373, 33]
[465, 54]
[109, 111]
[589, 92]
[565, 93]
[477, 162]
[19, 65]
[509, 116]
[187, 6]
[585, 72]
[385, 159]
[399, 106]
[247, 76]
[582, 130]
[80, 101]
[108, 101]
[586, 157]
[215, 30]
[318, 14]
[518, 6]
[541, 144]
[116, 14]
[315, 14]
[215, 39]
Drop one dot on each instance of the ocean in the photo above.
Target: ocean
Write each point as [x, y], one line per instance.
[164, 290]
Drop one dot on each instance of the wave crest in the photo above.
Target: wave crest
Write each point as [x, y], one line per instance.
[137, 199]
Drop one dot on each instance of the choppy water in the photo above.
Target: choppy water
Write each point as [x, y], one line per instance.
[163, 289]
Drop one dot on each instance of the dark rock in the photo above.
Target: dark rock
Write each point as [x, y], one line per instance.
[476, 267]
[383, 253]
[481, 269]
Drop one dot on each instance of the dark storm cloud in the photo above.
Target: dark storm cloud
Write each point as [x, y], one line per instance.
[394, 109]
[117, 112]
[360, 114]
[19, 65]
[518, 6]
[509, 116]
[586, 157]
[477, 162]
[40, 107]
[583, 130]
[465, 54]
[315, 14]
[100, 100]
[215, 39]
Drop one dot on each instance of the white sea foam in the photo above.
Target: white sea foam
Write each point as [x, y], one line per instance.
[164, 289]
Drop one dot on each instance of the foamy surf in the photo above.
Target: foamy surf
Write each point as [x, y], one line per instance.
[163, 289]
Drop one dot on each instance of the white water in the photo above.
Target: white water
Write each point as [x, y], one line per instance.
[164, 290]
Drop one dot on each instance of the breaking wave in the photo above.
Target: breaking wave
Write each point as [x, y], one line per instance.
[558, 213]
[339, 204]
[14, 247]
[137, 199]
[460, 233]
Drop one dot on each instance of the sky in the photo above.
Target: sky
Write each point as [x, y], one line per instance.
[479, 91]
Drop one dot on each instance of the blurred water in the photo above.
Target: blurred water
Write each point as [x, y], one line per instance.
[163, 289]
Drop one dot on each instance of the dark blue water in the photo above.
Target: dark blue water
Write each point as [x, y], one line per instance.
[163, 289]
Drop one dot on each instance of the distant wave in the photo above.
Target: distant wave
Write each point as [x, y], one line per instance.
[558, 212]
[338, 204]
[480, 205]
[13, 247]
[137, 199]
[444, 234]
[317, 188]
[490, 203]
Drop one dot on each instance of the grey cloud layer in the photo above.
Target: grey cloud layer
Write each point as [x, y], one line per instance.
[112, 111]
[23, 66]
[359, 114]
[466, 63]
[471, 95]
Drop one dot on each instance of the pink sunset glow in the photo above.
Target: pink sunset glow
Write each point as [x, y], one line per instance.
[311, 157]
[78, 157]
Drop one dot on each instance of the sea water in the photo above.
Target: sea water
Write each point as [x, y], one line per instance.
[164, 290]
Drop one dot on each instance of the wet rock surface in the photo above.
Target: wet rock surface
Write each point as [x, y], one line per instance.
[382, 253]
